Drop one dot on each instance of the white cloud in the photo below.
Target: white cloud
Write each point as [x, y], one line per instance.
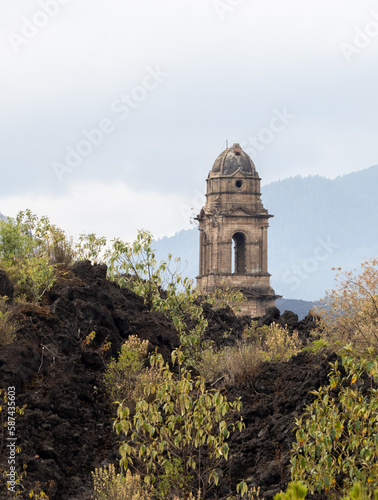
[111, 210]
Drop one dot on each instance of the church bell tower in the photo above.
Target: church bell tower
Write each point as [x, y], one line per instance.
[233, 227]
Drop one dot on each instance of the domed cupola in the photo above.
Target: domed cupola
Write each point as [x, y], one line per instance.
[234, 159]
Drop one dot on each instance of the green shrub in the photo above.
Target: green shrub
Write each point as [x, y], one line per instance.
[173, 480]
[337, 438]
[179, 431]
[274, 342]
[31, 249]
[8, 326]
[124, 377]
[34, 276]
[90, 247]
[294, 491]
[357, 492]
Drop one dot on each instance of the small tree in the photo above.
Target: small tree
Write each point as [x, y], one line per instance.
[351, 314]
[179, 431]
[91, 247]
[337, 438]
[29, 250]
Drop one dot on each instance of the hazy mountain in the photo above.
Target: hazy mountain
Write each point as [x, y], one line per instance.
[318, 224]
[299, 307]
[2, 217]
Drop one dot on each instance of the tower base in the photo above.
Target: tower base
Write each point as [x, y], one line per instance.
[258, 302]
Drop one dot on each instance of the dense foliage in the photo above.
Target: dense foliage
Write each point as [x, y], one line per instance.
[337, 437]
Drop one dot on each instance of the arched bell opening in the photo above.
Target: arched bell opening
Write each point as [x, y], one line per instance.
[238, 254]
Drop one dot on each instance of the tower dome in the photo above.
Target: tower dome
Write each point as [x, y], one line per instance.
[234, 159]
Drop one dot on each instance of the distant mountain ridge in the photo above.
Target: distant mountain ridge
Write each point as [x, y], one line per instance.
[318, 224]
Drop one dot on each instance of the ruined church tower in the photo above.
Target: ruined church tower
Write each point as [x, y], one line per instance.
[233, 227]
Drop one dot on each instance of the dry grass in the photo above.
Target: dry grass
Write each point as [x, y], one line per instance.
[239, 363]
[110, 485]
[232, 364]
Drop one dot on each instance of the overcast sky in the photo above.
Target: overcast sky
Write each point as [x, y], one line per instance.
[113, 112]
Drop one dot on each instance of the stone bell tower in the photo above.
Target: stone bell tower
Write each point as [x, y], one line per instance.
[233, 227]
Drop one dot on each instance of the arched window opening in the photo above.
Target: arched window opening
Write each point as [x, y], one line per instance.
[238, 258]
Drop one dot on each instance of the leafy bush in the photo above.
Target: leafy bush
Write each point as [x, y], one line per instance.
[352, 309]
[357, 492]
[90, 247]
[124, 378]
[30, 251]
[337, 437]
[297, 491]
[34, 276]
[179, 431]
[294, 491]
[275, 342]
